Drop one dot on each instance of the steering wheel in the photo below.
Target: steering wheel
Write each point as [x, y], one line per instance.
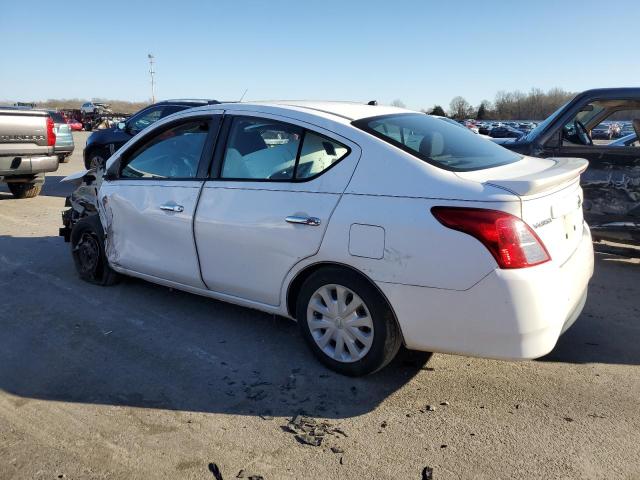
[582, 134]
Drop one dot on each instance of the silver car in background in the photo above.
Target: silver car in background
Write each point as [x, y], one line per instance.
[64, 139]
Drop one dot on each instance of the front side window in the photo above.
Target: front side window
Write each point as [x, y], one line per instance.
[173, 153]
[261, 149]
[439, 143]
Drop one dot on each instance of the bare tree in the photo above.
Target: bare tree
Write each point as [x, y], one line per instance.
[398, 103]
[460, 109]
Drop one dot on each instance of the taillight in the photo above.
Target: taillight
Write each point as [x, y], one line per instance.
[51, 134]
[510, 240]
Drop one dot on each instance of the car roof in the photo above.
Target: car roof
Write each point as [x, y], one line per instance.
[343, 112]
[188, 101]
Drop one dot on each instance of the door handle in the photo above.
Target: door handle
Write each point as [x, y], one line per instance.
[312, 221]
[172, 208]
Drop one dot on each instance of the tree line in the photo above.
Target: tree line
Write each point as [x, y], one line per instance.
[533, 105]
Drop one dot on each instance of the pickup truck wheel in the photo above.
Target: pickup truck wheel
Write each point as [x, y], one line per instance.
[87, 248]
[25, 190]
[347, 322]
[64, 158]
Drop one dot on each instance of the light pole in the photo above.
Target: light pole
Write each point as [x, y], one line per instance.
[152, 73]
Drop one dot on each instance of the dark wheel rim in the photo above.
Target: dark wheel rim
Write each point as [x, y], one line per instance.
[88, 253]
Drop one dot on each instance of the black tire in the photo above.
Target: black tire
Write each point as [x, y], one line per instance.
[25, 190]
[387, 337]
[87, 249]
[65, 158]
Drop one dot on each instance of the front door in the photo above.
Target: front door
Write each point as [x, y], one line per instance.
[276, 185]
[148, 209]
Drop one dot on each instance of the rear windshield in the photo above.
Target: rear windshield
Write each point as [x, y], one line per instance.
[439, 143]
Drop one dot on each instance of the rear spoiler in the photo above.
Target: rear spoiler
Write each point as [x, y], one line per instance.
[563, 170]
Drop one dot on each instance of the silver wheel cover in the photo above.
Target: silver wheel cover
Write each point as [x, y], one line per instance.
[340, 323]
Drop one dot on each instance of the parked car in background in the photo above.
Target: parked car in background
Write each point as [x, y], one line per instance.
[74, 124]
[371, 226]
[604, 131]
[64, 139]
[505, 132]
[612, 182]
[27, 140]
[102, 143]
[95, 107]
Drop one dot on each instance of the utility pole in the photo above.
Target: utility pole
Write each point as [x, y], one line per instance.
[152, 73]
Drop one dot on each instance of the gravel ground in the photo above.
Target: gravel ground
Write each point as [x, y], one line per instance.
[140, 381]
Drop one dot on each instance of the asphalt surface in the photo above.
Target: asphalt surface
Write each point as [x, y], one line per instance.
[140, 381]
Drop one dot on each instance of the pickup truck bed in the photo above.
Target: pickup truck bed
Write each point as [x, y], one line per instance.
[27, 140]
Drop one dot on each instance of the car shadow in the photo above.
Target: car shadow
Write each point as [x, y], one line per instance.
[142, 345]
[608, 331]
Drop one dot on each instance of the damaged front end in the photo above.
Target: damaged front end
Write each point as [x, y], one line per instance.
[83, 202]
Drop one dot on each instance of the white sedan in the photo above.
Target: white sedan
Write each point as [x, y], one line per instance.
[371, 226]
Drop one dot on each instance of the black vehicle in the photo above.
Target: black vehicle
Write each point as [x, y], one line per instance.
[103, 143]
[505, 131]
[611, 184]
[601, 132]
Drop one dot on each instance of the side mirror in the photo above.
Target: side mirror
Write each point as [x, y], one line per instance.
[121, 125]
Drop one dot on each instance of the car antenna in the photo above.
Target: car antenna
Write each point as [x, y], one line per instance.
[245, 92]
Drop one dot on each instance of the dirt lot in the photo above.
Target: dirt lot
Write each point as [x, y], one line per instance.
[139, 381]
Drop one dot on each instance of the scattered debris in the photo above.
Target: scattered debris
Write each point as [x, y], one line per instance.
[595, 415]
[430, 408]
[266, 416]
[337, 450]
[108, 333]
[428, 369]
[213, 468]
[309, 431]
[383, 424]
[243, 474]
[444, 445]
[341, 461]
[568, 419]
[427, 473]
[446, 404]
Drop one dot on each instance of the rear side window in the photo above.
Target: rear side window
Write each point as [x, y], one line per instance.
[439, 143]
[173, 153]
[267, 150]
[318, 153]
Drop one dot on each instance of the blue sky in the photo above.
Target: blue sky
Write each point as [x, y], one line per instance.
[422, 52]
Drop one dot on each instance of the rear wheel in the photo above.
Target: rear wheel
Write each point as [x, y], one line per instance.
[87, 248]
[346, 322]
[64, 158]
[25, 190]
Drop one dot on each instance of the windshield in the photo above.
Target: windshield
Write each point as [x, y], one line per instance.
[440, 143]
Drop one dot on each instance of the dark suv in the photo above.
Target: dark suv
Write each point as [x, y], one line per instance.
[102, 143]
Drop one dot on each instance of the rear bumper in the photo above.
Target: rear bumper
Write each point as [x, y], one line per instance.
[10, 166]
[509, 314]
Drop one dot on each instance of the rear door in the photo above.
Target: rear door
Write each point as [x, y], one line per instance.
[274, 186]
[148, 209]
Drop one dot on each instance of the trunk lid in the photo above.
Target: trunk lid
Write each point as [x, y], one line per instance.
[550, 195]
